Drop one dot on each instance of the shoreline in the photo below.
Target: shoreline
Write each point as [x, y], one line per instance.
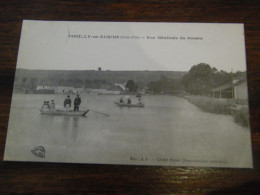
[240, 112]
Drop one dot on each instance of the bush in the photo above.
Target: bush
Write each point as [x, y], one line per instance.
[218, 106]
[221, 106]
[242, 117]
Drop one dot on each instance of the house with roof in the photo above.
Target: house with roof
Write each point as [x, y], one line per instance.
[45, 89]
[65, 89]
[58, 89]
[240, 90]
[121, 86]
[237, 89]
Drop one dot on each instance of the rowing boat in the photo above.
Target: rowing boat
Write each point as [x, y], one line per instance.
[140, 105]
[64, 112]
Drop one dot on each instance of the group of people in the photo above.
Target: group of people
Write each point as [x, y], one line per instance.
[129, 101]
[77, 101]
[121, 101]
[67, 104]
[48, 105]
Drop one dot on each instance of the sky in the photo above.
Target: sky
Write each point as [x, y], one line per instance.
[53, 45]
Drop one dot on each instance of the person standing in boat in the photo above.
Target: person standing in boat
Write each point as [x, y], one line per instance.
[67, 103]
[77, 102]
[121, 101]
[129, 101]
[140, 100]
[52, 105]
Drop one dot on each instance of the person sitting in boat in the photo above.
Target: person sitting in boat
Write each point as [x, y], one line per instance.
[52, 106]
[48, 105]
[140, 101]
[67, 103]
[77, 102]
[121, 101]
[128, 100]
[44, 105]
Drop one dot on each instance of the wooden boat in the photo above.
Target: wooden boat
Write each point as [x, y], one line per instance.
[140, 105]
[64, 112]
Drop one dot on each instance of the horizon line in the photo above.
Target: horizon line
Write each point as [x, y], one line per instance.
[123, 70]
[103, 70]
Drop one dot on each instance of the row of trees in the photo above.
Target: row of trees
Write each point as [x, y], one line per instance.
[199, 80]
[31, 83]
[165, 85]
[202, 78]
[131, 86]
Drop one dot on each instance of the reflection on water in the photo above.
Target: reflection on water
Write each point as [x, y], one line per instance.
[65, 122]
[75, 127]
[75, 121]
[167, 127]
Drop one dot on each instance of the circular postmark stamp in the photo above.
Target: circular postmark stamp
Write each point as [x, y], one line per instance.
[39, 151]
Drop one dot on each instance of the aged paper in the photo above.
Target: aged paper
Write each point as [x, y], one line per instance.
[172, 94]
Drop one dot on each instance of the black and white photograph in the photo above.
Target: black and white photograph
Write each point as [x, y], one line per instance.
[131, 93]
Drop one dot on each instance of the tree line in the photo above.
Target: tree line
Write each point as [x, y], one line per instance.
[199, 80]
[202, 78]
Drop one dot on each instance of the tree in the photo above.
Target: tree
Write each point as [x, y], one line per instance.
[33, 83]
[202, 78]
[155, 86]
[24, 80]
[61, 82]
[77, 82]
[131, 86]
[165, 84]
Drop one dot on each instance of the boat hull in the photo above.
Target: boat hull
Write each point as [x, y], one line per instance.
[129, 105]
[64, 113]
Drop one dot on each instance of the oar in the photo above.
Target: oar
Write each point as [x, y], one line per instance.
[100, 113]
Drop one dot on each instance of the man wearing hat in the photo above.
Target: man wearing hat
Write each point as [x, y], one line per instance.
[67, 103]
[77, 102]
[52, 106]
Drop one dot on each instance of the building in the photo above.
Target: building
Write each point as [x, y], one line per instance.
[59, 89]
[41, 89]
[223, 91]
[240, 90]
[237, 89]
[121, 86]
[79, 90]
[108, 92]
[65, 89]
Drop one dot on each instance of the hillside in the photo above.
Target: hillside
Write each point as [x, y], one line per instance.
[31, 78]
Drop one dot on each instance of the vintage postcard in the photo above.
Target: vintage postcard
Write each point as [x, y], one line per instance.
[131, 93]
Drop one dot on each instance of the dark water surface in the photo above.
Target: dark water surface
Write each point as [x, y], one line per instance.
[168, 131]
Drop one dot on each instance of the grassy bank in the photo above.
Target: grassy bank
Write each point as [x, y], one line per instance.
[222, 106]
[241, 117]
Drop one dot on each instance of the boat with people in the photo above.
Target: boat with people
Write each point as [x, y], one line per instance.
[50, 109]
[140, 105]
[64, 112]
[128, 102]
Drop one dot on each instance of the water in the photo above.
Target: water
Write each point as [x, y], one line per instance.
[168, 131]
